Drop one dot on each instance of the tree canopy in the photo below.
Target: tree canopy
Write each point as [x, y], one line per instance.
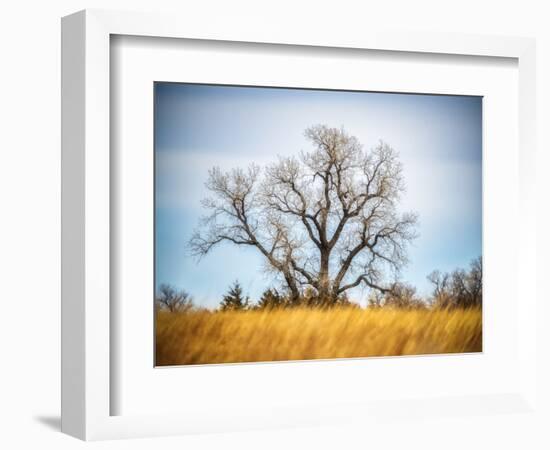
[327, 219]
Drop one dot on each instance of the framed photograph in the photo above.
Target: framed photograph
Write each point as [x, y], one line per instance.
[311, 227]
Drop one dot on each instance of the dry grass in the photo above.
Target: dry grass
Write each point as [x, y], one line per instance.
[203, 337]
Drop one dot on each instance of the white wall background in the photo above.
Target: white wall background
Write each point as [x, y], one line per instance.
[30, 199]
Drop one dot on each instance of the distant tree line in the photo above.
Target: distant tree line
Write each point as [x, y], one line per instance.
[457, 289]
[460, 288]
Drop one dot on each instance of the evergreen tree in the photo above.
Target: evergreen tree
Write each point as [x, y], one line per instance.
[234, 299]
[271, 299]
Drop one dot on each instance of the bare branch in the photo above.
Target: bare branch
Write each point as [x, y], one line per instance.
[332, 210]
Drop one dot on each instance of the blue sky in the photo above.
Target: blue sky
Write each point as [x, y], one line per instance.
[439, 139]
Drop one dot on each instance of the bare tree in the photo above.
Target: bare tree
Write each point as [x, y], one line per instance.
[460, 288]
[173, 300]
[403, 296]
[327, 219]
[400, 296]
[441, 295]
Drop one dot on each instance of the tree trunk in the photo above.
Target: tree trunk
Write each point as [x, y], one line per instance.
[324, 279]
[292, 286]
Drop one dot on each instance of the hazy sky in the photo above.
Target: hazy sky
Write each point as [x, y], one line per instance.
[439, 139]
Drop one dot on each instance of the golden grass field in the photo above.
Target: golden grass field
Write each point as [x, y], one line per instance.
[204, 337]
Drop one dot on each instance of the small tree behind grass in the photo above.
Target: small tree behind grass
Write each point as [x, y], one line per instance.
[400, 296]
[313, 299]
[271, 299]
[170, 299]
[234, 300]
[403, 296]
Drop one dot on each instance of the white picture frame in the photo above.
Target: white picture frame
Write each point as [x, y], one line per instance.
[87, 328]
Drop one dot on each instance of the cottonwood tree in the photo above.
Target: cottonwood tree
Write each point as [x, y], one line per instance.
[326, 219]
